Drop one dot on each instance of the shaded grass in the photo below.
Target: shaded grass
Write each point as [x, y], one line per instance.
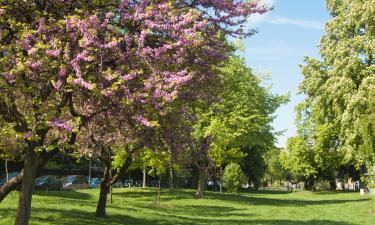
[136, 206]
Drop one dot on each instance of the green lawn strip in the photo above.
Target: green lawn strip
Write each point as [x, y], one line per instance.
[137, 206]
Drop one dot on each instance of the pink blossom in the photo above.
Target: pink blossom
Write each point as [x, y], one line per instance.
[62, 72]
[54, 53]
[143, 121]
[35, 65]
[32, 51]
[9, 77]
[61, 125]
[129, 76]
[83, 84]
[28, 134]
[107, 93]
[57, 85]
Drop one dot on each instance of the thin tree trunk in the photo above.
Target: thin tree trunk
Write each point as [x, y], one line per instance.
[332, 185]
[201, 182]
[171, 181]
[6, 170]
[158, 202]
[110, 178]
[221, 179]
[24, 203]
[144, 179]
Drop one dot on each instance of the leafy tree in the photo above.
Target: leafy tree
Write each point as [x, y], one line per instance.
[274, 169]
[64, 62]
[298, 159]
[340, 87]
[239, 118]
[254, 165]
[233, 177]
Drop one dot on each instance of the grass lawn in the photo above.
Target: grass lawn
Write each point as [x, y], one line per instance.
[136, 206]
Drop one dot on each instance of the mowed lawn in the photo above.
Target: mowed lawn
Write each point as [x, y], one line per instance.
[136, 206]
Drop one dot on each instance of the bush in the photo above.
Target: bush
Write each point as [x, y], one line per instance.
[233, 177]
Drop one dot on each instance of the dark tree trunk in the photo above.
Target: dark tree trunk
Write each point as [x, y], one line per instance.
[221, 179]
[11, 185]
[309, 184]
[16, 181]
[332, 185]
[102, 203]
[104, 189]
[171, 178]
[201, 182]
[24, 203]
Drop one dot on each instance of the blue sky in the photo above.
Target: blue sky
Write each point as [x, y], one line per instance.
[285, 35]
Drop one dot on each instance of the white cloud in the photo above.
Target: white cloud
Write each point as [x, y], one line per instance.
[255, 19]
[301, 23]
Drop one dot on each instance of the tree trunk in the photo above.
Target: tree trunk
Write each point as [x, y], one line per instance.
[6, 170]
[171, 181]
[104, 189]
[11, 185]
[332, 185]
[221, 179]
[24, 203]
[102, 203]
[144, 179]
[201, 182]
[309, 184]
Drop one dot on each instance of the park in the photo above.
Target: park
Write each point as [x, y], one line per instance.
[187, 112]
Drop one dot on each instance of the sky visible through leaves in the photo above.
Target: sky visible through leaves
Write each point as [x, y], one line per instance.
[285, 35]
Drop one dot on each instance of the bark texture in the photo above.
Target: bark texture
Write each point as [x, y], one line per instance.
[24, 203]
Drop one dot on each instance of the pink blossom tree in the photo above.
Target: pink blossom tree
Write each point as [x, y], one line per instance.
[65, 62]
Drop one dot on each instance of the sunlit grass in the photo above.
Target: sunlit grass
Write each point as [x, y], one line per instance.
[136, 206]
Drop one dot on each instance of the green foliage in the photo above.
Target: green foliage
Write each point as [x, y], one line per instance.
[254, 165]
[340, 87]
[11, 142]
[298, 158]
[274, 169]
[241, 117]
[233, 177]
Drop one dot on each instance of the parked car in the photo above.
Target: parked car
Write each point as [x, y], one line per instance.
[75, 182]
[118, 184]
[10, 176]
[95, 182]
[48, 183]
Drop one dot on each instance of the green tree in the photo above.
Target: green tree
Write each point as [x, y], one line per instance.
[233, 177]
[340, 87]
[298, 159]
[236, 122]
[274, 169]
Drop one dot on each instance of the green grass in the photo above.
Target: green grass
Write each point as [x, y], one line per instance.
[136, 206]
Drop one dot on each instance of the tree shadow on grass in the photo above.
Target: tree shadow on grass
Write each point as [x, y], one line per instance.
[80, 217]
[196, 210]
[71, 194]
[255, 200]
[166, 194]
[266, 191]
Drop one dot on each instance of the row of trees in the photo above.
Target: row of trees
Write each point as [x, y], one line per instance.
[336, 122]
[149, 84]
